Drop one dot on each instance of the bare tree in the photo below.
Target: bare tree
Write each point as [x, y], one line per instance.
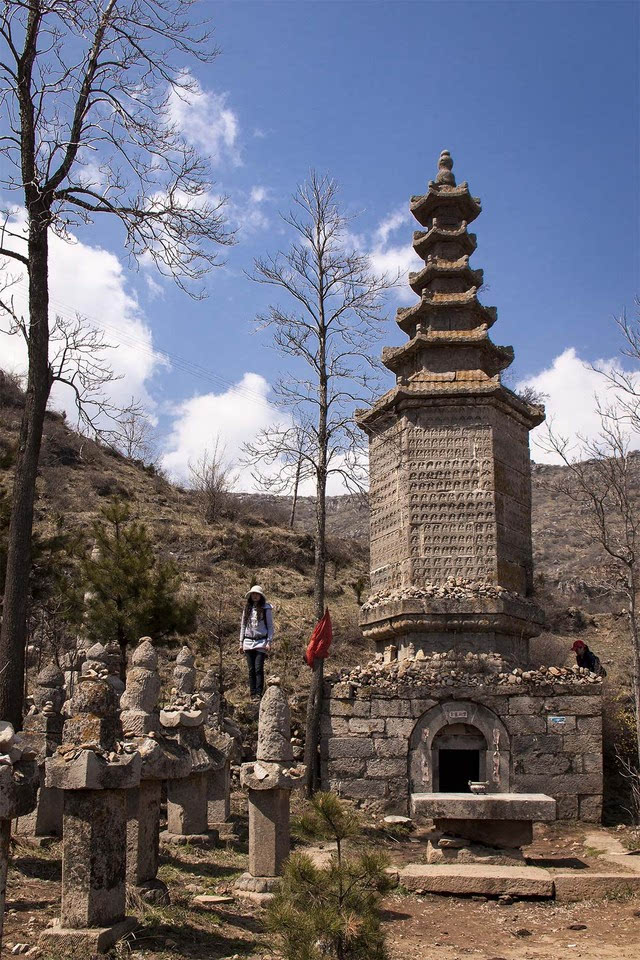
[281, 469]
[603, 479]
[335, 310]
[135, 440]
[86, 89]
[624, 383]
[212, 477]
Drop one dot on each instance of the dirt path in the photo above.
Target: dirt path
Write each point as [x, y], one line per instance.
[426, 928]
[418, 928]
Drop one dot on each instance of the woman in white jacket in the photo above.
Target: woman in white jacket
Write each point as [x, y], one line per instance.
[256, 637]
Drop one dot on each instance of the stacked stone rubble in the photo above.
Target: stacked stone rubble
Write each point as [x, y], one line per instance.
[95, 770]
[162, 760]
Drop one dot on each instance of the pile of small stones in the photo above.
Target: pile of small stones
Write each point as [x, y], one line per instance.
[185, 701]
[71, 751]
[297, 741]
[452, 669]
[453, 588]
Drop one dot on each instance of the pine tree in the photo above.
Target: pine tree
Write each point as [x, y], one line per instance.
[331, 912]
[131, 593]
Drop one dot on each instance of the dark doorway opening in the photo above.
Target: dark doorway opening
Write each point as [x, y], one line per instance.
[456, 768]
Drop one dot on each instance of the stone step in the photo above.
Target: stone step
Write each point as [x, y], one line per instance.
[585, 885]
[478, 879]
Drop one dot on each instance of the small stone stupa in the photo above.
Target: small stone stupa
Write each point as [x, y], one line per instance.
[19, 779]
[162, 760]
[222, 748]
[450, 489]
[183, 720]
[43, 731]
[95, 770]
[269, 780]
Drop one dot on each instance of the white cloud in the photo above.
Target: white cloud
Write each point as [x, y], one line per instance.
[91, 282]
[246, 211]
[398, 218]
[232, 418]
[394, 258]
[572, 390]
[206, 121]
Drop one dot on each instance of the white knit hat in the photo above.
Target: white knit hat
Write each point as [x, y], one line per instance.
[256, 589]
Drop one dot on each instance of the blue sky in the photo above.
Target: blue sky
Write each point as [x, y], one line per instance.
[538, 104]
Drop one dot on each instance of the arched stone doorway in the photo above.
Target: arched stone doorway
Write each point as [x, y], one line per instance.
[455, 742]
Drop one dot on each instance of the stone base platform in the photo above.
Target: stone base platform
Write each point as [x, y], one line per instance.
[153, 892]
[208, 839]
[39, 843]
[441, 851]
[477, 879]
[247, 883]
[64, 941]
[226, 830]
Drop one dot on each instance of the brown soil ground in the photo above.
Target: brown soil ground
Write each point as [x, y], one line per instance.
[418, 928]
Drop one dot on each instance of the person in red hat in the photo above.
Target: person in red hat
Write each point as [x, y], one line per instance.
[587, 658]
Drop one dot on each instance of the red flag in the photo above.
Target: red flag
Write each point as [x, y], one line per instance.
[320, 640]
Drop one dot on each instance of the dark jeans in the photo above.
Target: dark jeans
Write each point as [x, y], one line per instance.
[255, 662]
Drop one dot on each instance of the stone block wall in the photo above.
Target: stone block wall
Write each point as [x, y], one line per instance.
[553, 733]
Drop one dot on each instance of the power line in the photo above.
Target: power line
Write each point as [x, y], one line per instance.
[180, 363]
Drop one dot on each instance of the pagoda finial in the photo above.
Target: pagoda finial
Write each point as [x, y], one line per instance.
[445, 164]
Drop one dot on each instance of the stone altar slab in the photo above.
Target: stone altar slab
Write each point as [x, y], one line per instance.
[487, 806]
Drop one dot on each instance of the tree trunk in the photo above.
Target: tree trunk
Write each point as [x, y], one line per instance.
[13, 634]
[635, 646]
[312, 731]
[635, 642]
[314, 705]
[296, 484]
[5, 849]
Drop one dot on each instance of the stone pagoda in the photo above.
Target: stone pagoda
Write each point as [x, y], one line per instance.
[450, 706]
[450, 483]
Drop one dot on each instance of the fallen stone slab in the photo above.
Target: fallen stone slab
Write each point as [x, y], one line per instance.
[628, 861]
[65, 941]
[477, 879]
[605, 841]
[212, 900]
[573, 887]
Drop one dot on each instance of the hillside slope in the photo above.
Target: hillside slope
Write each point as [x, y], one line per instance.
[220, 561]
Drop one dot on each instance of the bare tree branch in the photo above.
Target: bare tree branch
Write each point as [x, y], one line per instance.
[88, 94]
[337, 306]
